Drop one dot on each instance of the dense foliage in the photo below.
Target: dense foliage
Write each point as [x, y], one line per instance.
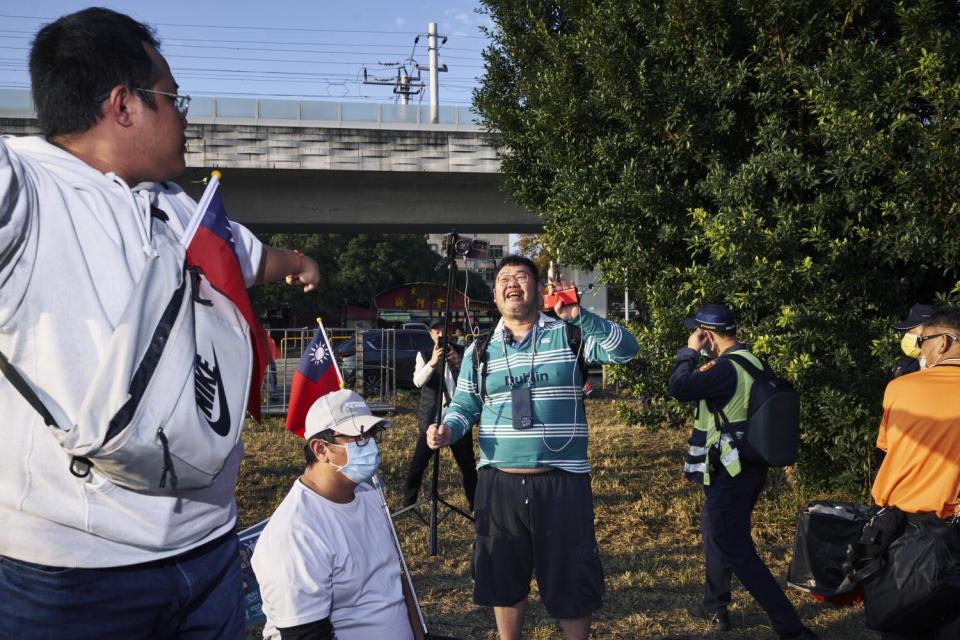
[799, 161]
[353, 268]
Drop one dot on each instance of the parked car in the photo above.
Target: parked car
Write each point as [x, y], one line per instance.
[376, 344]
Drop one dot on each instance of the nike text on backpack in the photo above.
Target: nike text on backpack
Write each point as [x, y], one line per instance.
[166, 405]
[771, 433]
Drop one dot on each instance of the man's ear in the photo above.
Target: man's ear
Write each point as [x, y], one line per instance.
[117, 106]
[319, 449]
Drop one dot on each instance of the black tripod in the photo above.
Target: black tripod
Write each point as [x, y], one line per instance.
[449, 263]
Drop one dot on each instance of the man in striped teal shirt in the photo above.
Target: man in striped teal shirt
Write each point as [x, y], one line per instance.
[534, 506]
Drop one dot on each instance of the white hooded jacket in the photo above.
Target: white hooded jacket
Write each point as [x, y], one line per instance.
[73, 243]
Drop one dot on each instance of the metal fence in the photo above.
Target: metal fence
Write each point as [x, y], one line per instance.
[367, 360]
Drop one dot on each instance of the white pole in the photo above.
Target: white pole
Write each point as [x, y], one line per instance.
[434, 79]
[404, 87]
[626, 304]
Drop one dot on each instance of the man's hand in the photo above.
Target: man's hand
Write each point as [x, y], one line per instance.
[437, 354]
[279, 264]
[567, 312]
[438, 435]
[697, 339]
[308, 276]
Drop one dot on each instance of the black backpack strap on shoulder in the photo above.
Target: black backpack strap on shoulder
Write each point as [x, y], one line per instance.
[21, 385]
[480, 362]
[79, 466]
[755, 372]
[575, 341]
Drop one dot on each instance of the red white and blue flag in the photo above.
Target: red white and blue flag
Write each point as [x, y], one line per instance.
[212, 249]
[316, 375]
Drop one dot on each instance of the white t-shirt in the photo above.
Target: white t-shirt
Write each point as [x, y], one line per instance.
[317, 559]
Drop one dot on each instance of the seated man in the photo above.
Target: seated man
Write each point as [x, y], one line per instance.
[326, 562]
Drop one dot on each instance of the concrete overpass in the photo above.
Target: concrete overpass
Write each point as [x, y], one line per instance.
[302, 166]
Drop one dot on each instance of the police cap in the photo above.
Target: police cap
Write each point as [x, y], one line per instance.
[715, 317]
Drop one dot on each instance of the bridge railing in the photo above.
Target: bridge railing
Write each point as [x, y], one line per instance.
[16, 103]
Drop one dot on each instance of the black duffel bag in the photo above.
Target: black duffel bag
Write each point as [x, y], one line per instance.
[917, 586]
[824, 531]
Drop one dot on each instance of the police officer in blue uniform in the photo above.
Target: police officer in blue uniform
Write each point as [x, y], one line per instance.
[731, 484]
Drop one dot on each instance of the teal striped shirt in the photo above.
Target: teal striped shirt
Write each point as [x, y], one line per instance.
[558, 437]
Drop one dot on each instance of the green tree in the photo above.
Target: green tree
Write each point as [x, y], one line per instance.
[353, 268]
[796, 160]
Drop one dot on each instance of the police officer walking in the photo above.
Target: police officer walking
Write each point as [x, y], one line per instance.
[731, 485]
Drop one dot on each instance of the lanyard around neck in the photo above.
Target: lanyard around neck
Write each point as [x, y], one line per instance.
[533, 354]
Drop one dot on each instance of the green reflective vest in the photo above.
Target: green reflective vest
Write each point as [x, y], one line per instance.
[736, 412]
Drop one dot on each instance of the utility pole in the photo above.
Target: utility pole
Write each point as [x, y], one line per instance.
[626, 298]
[434, 76]
[403, 85]
[435, 69]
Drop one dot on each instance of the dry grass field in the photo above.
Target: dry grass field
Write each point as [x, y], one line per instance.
[647, 526]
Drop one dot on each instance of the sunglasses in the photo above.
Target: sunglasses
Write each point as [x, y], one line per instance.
[922, 339]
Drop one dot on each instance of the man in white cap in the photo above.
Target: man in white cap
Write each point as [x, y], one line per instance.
[326, 563]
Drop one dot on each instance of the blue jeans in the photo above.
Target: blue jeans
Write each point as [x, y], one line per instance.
[197, 594]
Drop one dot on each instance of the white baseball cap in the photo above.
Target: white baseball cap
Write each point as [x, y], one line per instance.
[342, 412]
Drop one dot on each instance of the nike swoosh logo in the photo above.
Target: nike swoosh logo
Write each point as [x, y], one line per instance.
[209, 386]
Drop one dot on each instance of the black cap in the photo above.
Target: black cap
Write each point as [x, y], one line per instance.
[436, 323]
[715, 317]
[919, 313]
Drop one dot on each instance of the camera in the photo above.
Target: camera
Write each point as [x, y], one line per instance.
[465, 247]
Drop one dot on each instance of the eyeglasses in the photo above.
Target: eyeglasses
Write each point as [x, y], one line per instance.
[520, 278]
[375, 434]
[922, 339]
[180, 103]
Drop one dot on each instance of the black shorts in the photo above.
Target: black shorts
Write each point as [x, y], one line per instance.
[539, 523]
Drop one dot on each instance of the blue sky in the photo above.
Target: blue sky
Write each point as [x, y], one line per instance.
[282, 48]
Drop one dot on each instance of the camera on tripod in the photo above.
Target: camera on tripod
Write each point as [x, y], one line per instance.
[464, 247]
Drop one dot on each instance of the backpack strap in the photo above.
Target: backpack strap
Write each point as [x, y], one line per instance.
[755, 372]
[575, 341]
[11, 373]
[480, 361]
[79, 466]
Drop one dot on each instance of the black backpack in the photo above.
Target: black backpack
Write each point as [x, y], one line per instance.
[771, 433]
[574, 340]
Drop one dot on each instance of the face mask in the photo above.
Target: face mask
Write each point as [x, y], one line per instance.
[362, 462]
[908, 344]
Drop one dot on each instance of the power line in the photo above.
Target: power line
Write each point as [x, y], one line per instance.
[272, 49]
[225, 26]
[29, 34]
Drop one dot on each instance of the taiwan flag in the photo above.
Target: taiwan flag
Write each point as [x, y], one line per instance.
[316, 375]
[212, 249]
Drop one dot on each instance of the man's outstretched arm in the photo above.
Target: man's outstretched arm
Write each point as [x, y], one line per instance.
[294, 266]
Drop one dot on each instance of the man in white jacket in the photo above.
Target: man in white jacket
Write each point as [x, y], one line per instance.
[81, 557]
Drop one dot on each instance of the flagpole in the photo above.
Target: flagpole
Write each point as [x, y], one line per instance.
[336, 367]
[191, 228]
